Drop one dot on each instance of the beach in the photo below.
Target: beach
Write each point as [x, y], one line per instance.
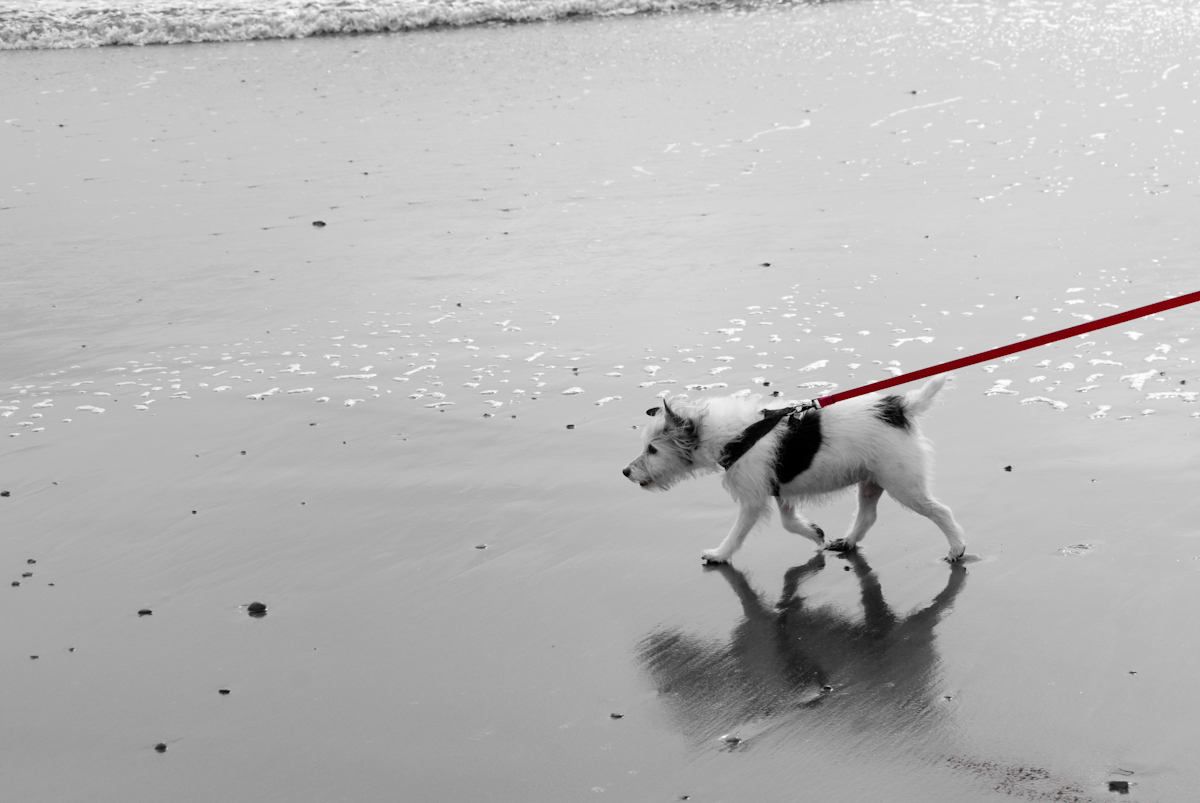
[363, 328]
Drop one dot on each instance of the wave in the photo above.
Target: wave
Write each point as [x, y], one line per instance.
[42, 24]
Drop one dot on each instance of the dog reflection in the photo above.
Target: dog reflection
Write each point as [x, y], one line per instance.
[792, 661]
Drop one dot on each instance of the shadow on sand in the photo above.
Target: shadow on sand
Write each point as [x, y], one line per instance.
[791, 660]
[795, 671]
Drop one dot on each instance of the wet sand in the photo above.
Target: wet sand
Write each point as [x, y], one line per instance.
[463, 591]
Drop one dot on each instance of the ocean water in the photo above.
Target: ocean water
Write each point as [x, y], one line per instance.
[40, 24]
[36, 24]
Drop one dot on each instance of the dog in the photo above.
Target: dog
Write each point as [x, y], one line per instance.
[870, 441]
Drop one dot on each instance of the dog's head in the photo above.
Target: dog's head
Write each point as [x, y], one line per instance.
[671, 440]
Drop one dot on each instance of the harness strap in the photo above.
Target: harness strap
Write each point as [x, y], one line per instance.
[752, 434]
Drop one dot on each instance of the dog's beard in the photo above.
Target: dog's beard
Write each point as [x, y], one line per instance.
[664, 476]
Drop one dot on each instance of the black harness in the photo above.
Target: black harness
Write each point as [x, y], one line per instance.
[752, 434]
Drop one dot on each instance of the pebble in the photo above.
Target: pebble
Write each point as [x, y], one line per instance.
[1119, 786]
[320, 224]
[145, 612]
[160, 747]
[616, 716]
[222, 691]
[256, 609]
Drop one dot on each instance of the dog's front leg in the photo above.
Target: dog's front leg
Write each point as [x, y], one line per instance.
[748, 516]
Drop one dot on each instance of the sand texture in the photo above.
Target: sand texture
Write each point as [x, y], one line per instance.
[402, 431]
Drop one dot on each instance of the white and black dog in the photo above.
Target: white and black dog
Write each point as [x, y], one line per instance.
[871, 441]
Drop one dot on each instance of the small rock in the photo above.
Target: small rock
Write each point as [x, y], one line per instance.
[320, 224]
[731, 739]
[31, 561]
[160, 747]
[27, 574]
[481, 546]
[1008, 468]
[5, 493]
[33, 657]
[257, 610]
[570, 426]
[15, 583]
[145, 612]
[827, 687]
[222, 691]
[616, 716]
[1119, 786]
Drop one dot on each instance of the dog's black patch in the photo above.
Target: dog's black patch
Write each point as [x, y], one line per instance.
[890, 410]
[798, 445]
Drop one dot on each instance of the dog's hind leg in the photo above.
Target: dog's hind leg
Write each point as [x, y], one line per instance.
[749, 515]
[868, 502]
[915, 496]
[793, 522]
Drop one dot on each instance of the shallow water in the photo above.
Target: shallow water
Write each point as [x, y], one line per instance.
[754, 192]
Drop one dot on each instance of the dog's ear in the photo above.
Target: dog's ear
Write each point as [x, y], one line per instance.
[653, 411]
[673, 420]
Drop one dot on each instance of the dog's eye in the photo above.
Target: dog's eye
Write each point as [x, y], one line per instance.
[651, 450]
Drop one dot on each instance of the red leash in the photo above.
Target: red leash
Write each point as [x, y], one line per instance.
[1003, 351]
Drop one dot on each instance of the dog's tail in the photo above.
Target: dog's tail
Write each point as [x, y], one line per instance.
[917, 402]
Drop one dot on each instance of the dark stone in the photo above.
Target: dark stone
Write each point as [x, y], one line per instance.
[617, 716]
[257, 610]
[1119, 786]
[1008, 468]
[570, 426]
[222, 691]
[160, 747]
[145, 612]
[5, 493]
[320, 224]
[31, 561]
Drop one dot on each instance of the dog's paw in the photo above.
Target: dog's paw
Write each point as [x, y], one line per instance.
[956, 556]
[713, 556]
[840, 545]
[820, 533]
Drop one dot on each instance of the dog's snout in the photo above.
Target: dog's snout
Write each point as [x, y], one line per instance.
[627, 471]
